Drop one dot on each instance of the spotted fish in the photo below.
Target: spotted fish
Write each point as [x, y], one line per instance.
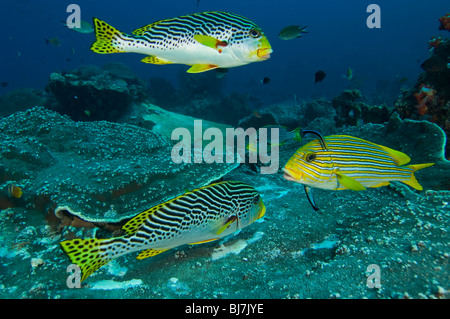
[205, 41]
[338, 162]
[196, 217]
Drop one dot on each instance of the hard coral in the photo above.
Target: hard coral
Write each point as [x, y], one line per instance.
[93, 94]
[424, 98]
[445, 22]
[435, 42]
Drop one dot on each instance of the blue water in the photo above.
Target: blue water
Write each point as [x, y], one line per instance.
[338, 38]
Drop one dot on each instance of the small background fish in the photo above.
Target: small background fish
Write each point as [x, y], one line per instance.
[292, 32]
[435, 64]
[348, 75]
[54, 41]
[265, 80]
[85, 27]
[319, 76]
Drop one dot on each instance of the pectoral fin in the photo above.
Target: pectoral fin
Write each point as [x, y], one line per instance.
[230, 221]
[210, 42]
[309, 195]
[149, 253]
[349, 182]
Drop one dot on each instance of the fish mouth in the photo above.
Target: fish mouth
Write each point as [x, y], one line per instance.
[288, 175]
[264, 54]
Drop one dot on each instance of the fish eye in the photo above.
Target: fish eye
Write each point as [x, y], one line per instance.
[309, 157]
[256, 199]
[254, 33]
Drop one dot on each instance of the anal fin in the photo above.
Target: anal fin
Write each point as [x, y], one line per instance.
[198, 68]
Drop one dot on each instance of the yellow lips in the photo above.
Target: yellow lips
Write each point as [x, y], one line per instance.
[265, 49]
[290, 175]
[264, 53]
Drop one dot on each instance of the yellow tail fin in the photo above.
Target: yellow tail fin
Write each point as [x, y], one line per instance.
[88, 254]
[106, 38]
[413, 181]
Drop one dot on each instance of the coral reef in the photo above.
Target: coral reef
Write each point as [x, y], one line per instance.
[351, 112]
[199, 95]
[429, 99]
[317, 114]
[320, 114]
[98, 171]
[435, 42]
[425, 98]
[92, 94]
[162, 93]
[21, 100]
[445, 22]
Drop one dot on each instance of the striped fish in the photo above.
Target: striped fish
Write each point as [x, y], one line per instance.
[339, 162]
[205, 41]
[196, 217]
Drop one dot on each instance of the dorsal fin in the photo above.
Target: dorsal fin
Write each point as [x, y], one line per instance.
[145, 28]
[399, 157]
[133, 225]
